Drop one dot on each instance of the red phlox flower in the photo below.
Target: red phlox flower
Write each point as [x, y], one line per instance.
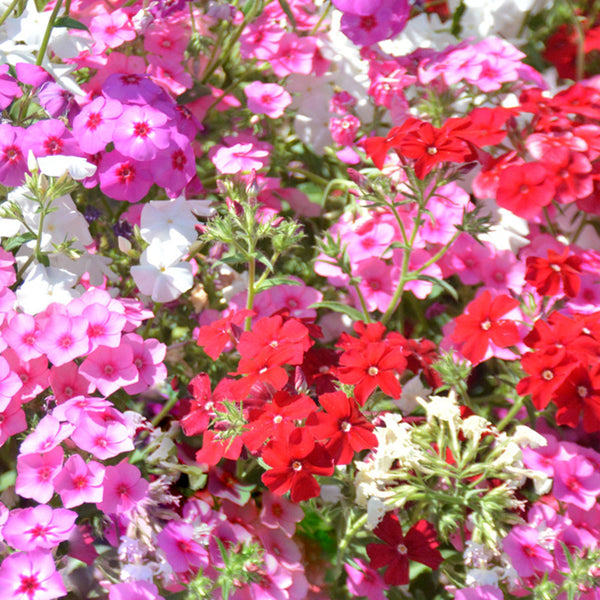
[524, 189]
[377, 148]
[367, 333]
[295, 460]
[214, 337]
[217, 445]
[579, 393]
[547, 274]
[572, 177]
[430, 146]
[201, 406]
[264, 368]
[482, 324]
[277, 418]
[482, 126]
[376, 365]
[319, 369]
[343, 426]
[419, 544]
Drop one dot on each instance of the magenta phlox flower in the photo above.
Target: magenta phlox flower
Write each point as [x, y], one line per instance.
[181, 550]
[261, 39]
[576, 481]
[140, 133]
[387, 21]
[295, 55]
[277, 543]
[13, 165]
[22, 333]
[176, 166]
[66, 382]
[50, 138]
[112, 29]
[134, 590]
[64, 338]
[101, 438]
[9, 88]
[238, 158]
[35, 473]
[79, 482]
[30, 576]
[38, 528]
[124, 488]
[95, 124]
[104, 326]
[147, 358]
[46, 436]
[33, 374]
[7, 268]
[167, 39]
[268, 99]
[358, 7]
[482, 592]
[526, 554]
[279, 513]
[73, 409]
[132, 87]
[10, 383]
[124, 178]
[12, 420]
[365, 581]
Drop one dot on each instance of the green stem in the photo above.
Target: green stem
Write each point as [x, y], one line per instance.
[363, 304]
[8, 11]
[321, 19]
[314, 178]
[439, 254]
[38, 242]
[550, 225]
[580, 58]
[46, 38]
[514, 409]
[166, 409]
[251, 291]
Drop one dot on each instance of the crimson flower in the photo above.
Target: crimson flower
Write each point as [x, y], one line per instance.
[419, 544]
[482, 324]
[580, 393]
[547, 274]
[214, 337]
[377, 148]
[295, 460]
[343, 425]
[524, 189]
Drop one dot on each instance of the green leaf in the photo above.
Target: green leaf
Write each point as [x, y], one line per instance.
[354, 314]
[269, 283]
[288, 12]
[7, 480]
[70, 23]
[18, 240]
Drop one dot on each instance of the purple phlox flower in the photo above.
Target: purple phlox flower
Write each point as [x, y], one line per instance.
[124, 178]
[13, 164]
[140, 133]
[522, 545]
[95, 124]
[358, 7]
[386, 22]
[132, 87]
[55, 100]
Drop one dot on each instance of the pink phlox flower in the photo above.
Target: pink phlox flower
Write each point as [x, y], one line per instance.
[124, 488]
[176, 166]
[522, 545]
[169, 74]
[576, 481]
[64, 338]
[467, 259]
[376, 283]
[12, 420]
[79, 482]
[238, 158]
[261, 39]
[50, 138]
[46, 436]
[132, 87]
[462, 64]
[277, 543]
[442, 217]
[295, 55]
[182, 551]
[95, 124]
[10, 383]
[30, 576]
[7, 268]
[101, 437]
[542, 459]
[344, 129]
[33, 374]
[124, 178]
[104, 326]
[66, 382]
[9, 88]
[134, 590]
[140, 132]
[135, 313]
[73, 409]
[505, 272]
[421, 288]
[365, 581]
[368, 238]
[40, 527]
[13, 165]
[358, 7]
[385, 22]
[22, 334]
[268, 99]
[167, 39]
[112, 29]
[279, 513]
[481, 592]
[295, 298]
[35, 473]
[147, 359]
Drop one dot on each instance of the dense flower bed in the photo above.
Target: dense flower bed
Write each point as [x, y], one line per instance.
[299, 299]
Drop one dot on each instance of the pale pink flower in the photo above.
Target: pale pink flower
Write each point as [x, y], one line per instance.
[66, 382]
[239, 158]
[35, 473]
[104, 326]
[110, 368]
[40, 527]
[79, 482]
[22, 334]
[10, 383]
[30, 576]
[279, 513]
[103, 439]
[267, 99]
[123, 487]
[64, 338]
[112, 29]
[46, 436]
[12, 420]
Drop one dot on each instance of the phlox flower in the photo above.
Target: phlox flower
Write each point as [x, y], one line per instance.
[162, 274]
[38, 528]
[32, 373]
[167, 39]
[147, 359]
[9, 88]
[134, 590]
[66, 382]
[268, 99]
[10, 383]
[132, 87]
[12, 420]
[35, 473]
[123, 487]
[483, 592]
[103, 439]
[13, 165]
[64, 338]
[295, 55]
[295, 298]
[176, 165]
[30, 576]
[386, 21]
[46, 436]
[112, 29]
[104, 326]
[365, 581]
[239, 158]
[524, 189]
[576, 481]
[79, 482]
[140, 132]
[522, 545]
[358, 7]
[49, 138]
[7, 269]
[279, 513]
[95, 124]
[124, 178]
[376, 283]
[182, 551]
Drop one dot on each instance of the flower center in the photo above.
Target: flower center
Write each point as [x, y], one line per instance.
[486, 325]
[297, 465]
[373, 371]
[402, 549]
[547, 374]
[345, 426]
